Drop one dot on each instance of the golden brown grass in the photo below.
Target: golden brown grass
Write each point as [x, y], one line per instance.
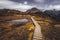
[7, 32]
[25, 32]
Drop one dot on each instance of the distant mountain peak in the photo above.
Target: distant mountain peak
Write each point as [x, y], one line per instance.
[33, 10]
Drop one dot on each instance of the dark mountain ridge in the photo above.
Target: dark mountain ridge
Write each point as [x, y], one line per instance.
[53, 14]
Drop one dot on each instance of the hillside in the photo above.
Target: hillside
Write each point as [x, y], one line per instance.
[18, 30]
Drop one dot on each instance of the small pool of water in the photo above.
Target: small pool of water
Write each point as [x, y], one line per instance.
[24, 21]
[17, 20]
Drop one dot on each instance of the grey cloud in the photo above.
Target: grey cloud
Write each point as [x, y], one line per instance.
[14, 5]
[20, 5]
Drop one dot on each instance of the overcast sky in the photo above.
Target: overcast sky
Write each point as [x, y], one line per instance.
[24, 5]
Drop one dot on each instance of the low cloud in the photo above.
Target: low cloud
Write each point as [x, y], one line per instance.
[21, 7]
[14, 5]
[57, 7]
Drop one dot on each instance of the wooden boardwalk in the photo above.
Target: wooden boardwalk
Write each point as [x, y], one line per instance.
[37, 32]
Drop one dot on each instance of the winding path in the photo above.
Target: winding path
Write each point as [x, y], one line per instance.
[37, 32]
